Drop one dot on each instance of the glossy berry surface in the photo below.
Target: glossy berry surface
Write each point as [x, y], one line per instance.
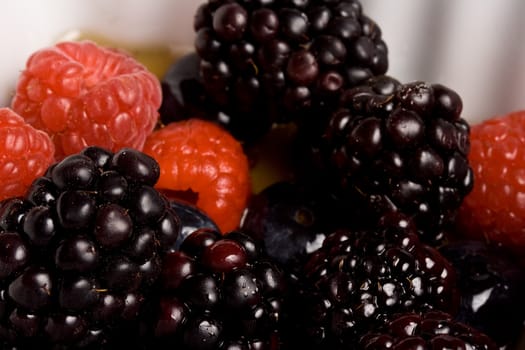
[430, 330]
[25, 154]
[83, 94]
[494, 209]
[492, 285]
[360, 279]
[191, 219]
[200, 160]
[400, 147]
[265, 62]
[76, 264]
[218, 291]
[291, 220]
[183, 93]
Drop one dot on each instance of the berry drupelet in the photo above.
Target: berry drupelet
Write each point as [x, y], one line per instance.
[399, 147]
[219, 292]
[432, 330]
[265, 62]
[358, 280]
[80, 251]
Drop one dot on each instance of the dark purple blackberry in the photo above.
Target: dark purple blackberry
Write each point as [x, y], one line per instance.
[400, 147]
[265, 62]
[291, 220]
[359, 280]
[219, 292]
[432, 330]
[492, 286]
[80, 251]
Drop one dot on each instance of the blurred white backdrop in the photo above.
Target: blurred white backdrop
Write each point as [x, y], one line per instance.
[476, 47]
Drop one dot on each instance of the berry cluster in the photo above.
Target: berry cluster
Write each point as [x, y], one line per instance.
[220, 292]
[80, 251]
[120, 231]
[274, 61]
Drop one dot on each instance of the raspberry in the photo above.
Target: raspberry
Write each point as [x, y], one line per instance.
[495, 209]
[199, 157]
[25, 153]
[82, 95]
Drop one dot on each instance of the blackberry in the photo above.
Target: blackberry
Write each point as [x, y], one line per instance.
[492, 285]
[266, 62]
[432, 330]
[81, 250]
[399, 147]
[219, 292]
[358, 280]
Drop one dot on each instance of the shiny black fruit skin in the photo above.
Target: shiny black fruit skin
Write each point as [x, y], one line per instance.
[399, 147]
[184, 96]
[191, 219]
[361, 279]
[291, 220]
[492, 286]
[427, 330]
[79, 253]
[216, 291]
[266, 62]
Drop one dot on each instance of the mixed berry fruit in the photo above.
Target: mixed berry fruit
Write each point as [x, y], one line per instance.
[202, 162]
[81, 250]
[129, 216]
[495, 209]
[25, 152]
[82, 94]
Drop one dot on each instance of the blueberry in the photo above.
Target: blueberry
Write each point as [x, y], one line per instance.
[290, 219]
[492, 286]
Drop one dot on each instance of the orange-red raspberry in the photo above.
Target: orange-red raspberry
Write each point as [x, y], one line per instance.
[495, 209]
[83, 94]
[201, 157]
[25, 154]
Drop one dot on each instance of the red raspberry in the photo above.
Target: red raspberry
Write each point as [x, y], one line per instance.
[82, 95]
[495, 209]
[199, 156]
[25, 154]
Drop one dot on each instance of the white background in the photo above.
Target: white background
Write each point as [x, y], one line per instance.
[476, 47]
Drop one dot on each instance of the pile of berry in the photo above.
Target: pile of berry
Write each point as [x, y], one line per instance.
[128, 217]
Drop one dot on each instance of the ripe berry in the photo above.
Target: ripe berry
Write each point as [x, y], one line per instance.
[494, 209]
[217, 291]
[191, 219]
[25, 154]
[492, 285]
[200, 159]
[291, 220]
[77, 265]
[265, 62]
[360, 279]
[399, 147]
[430, 330]
[82, 95]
